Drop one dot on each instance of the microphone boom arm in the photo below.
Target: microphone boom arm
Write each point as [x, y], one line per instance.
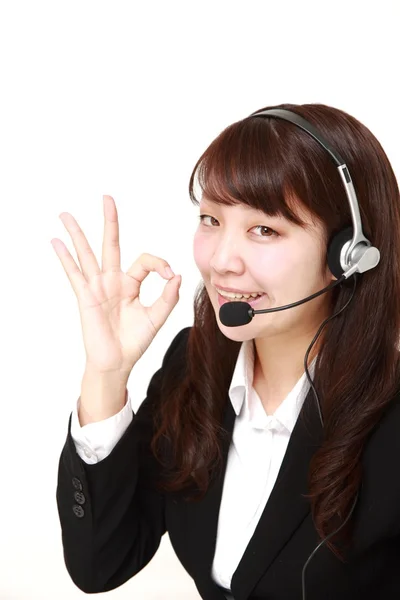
[252, 312]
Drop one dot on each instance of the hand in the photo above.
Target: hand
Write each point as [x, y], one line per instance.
[117, 329]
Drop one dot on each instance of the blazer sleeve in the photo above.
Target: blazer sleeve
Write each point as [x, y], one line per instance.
[112, 519]
[95, 441]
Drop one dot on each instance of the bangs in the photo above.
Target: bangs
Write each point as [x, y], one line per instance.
[248, 164]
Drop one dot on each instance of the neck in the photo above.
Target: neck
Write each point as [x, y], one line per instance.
[279, 364]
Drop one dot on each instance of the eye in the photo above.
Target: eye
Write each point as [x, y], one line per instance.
[262, 227]
[202, 217]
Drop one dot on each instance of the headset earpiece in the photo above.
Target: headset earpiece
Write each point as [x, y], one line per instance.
[335, 246]
[364, 256]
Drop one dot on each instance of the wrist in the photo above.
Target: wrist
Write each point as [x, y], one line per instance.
[107, 375]
[103, 395]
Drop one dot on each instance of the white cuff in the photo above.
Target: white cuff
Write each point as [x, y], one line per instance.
[95, 441]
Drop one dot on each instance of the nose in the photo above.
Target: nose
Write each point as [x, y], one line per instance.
[227, 256]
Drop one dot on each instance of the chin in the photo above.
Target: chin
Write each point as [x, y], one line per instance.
[240, 333]
[236, 334]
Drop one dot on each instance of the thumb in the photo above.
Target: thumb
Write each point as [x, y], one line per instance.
[160, 310]
[171, 289]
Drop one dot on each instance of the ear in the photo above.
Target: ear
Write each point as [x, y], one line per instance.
[329, 277]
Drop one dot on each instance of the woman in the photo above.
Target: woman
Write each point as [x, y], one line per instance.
[230, 451]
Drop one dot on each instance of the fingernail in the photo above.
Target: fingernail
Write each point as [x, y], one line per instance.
[169, 272]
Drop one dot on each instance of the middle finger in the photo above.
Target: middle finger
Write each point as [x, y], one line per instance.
[111, 253]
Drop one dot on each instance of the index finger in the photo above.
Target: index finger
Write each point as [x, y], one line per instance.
[145, 264]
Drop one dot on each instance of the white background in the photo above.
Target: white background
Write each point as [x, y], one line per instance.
[121, 98]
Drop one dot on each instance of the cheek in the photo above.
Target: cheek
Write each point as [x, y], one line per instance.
[295, 266]
[201, 251]
[282, 268]
[276, 263]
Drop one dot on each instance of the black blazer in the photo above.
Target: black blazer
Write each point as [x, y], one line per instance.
[112, 519]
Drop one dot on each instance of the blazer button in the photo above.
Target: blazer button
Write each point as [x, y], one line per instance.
[78, 510]
[79, 497]
[76, 483]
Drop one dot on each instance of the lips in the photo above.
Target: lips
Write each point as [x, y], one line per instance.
[253, 302]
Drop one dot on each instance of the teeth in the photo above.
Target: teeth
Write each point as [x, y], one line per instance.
[238, 296]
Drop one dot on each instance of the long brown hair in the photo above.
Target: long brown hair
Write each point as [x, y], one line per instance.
[257, 161]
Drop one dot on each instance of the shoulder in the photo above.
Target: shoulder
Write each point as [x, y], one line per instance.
[381, 455]
[386, 431]
[382, 447]
[379, 513]
[177, 348]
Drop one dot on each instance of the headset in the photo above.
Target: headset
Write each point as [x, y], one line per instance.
[349, 253]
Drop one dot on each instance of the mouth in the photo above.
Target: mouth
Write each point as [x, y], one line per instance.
[252, 301]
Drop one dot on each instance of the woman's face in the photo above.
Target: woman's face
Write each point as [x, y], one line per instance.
[241, 248]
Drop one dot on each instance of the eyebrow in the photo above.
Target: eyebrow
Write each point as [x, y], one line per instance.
[206, 201]
[277, 218]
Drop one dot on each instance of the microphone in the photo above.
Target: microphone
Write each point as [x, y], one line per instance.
[236, 313]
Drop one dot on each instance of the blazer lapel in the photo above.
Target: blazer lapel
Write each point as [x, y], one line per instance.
[284, 511]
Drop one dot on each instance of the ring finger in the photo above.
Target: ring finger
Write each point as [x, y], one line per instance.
[85, 254]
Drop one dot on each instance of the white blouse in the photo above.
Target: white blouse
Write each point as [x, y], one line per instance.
[259, 443]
